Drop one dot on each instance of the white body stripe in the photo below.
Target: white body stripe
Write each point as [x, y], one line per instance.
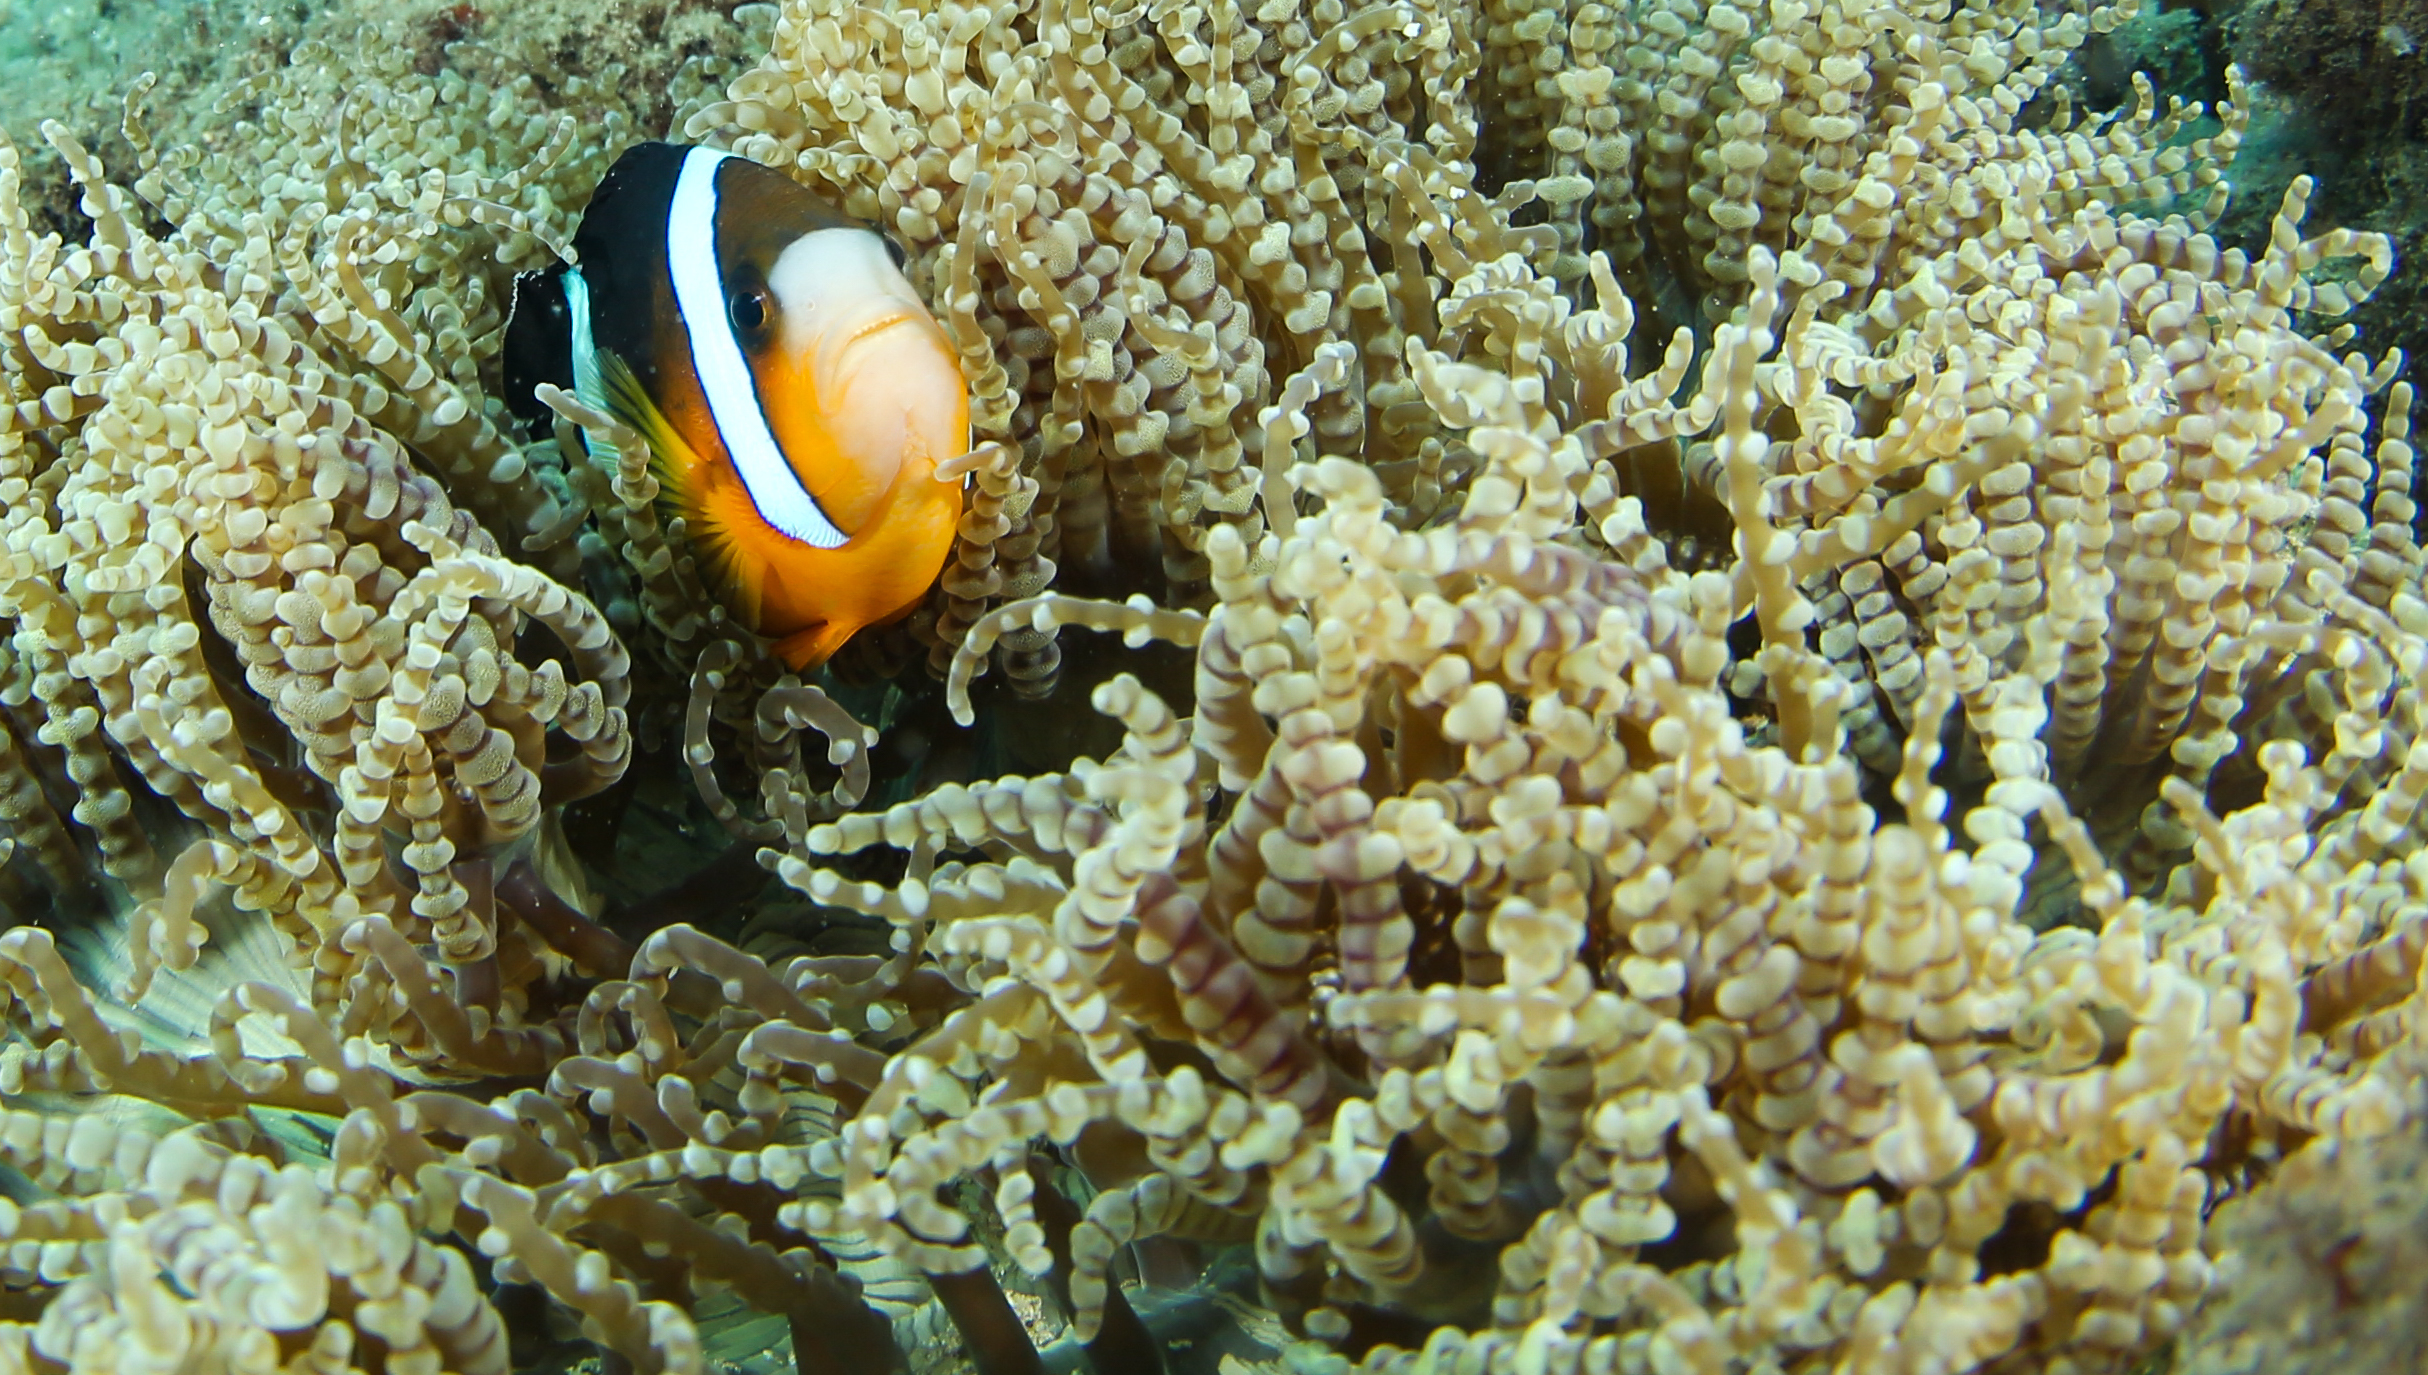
[585, 349]
[716, 359]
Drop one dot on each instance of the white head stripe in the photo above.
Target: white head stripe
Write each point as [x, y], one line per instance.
[716, 359]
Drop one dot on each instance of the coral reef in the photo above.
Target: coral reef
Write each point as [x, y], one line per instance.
[2323, 1275]
[1799, 749]
[2355, 66]
[2336, 82]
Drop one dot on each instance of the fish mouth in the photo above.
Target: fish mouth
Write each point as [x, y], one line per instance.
[892, 319]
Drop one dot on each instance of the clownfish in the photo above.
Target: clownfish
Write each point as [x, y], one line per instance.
[795, 393]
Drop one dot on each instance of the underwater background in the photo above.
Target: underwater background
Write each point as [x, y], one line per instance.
[1393, 670]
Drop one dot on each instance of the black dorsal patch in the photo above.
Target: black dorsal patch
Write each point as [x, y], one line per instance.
[622, 248]
[538, 346]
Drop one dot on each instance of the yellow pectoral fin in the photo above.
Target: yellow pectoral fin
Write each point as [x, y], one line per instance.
[674, 462]
[684, 481]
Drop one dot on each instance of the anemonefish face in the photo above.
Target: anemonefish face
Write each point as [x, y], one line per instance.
[796, 391]
[852, 364]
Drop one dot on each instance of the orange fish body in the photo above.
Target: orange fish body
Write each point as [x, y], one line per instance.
[796, 395]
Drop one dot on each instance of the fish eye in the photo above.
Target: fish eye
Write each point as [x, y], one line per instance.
[748, 309]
